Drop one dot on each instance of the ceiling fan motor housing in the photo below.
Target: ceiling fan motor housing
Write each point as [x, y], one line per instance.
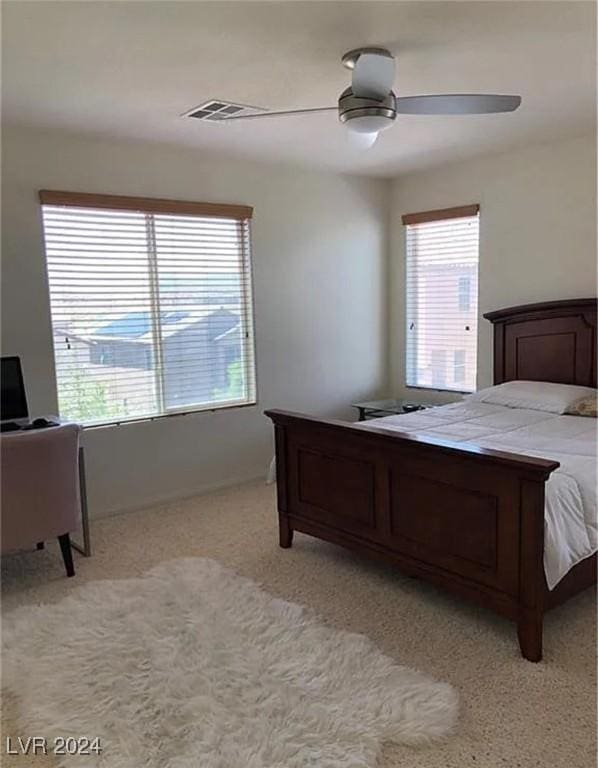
[365, 115]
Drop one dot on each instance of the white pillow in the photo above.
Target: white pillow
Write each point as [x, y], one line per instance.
[534, 395]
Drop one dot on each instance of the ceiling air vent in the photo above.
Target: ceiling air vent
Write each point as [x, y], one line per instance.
[220, 110]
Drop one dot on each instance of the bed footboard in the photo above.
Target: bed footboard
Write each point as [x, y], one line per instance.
[468, 519]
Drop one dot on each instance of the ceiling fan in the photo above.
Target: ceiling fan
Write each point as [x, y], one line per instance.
[369, 105]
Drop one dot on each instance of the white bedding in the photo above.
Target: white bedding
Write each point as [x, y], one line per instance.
[571, 530]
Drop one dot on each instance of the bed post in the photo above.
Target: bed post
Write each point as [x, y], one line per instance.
[531, 569]
[284, 527]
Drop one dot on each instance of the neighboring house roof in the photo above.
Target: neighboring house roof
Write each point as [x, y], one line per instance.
[133, 325]
[136, 327]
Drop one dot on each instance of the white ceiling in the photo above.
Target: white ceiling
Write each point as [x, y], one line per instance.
[130, 69]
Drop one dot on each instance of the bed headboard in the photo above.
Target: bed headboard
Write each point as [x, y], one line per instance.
[551, 341]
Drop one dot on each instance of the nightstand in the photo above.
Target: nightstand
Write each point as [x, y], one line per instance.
[375, 409]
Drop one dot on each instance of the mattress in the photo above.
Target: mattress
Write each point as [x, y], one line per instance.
[570, 528]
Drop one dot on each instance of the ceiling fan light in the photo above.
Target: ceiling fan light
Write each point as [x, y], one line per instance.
[368, 123]
[361, 140]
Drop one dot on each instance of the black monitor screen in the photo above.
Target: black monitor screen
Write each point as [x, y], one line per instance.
[14, 403]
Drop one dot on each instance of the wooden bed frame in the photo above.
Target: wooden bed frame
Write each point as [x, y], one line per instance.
[468, 519]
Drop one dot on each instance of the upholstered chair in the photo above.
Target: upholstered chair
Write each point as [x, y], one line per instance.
[40, 489]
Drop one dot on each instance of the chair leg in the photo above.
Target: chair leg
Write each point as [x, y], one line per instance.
[40, 544]
[67, 553]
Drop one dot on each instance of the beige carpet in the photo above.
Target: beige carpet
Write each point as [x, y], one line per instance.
[514, 713]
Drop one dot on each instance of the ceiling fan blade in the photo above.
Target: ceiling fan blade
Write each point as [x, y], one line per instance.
[277, 114]
[373, 76]
[457, 104]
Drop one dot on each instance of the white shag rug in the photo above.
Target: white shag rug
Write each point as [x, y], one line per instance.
[192, 666]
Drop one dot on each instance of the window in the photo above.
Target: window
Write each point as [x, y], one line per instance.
[459, 358]
[151, 306]
[464, 289]
[442, 298]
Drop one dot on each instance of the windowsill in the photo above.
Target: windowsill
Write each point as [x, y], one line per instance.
[172, 414]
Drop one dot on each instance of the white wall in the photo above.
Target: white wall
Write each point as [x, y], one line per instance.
[537, 234]
[320, 285]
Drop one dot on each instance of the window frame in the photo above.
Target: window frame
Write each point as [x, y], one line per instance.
[151, 207]
[422, 217]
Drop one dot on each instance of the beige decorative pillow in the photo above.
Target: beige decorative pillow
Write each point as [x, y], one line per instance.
[586, 406]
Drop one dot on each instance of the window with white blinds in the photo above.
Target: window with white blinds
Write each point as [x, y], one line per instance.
[151, 306]
[442, 298]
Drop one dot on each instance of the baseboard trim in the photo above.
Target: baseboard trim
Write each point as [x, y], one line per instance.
[184, 496]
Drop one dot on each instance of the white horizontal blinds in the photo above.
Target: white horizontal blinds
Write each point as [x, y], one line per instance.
[442, 299]
[205, 301]
[151, 311]
[100, 298]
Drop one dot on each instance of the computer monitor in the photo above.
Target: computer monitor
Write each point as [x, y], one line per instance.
[13, 402]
